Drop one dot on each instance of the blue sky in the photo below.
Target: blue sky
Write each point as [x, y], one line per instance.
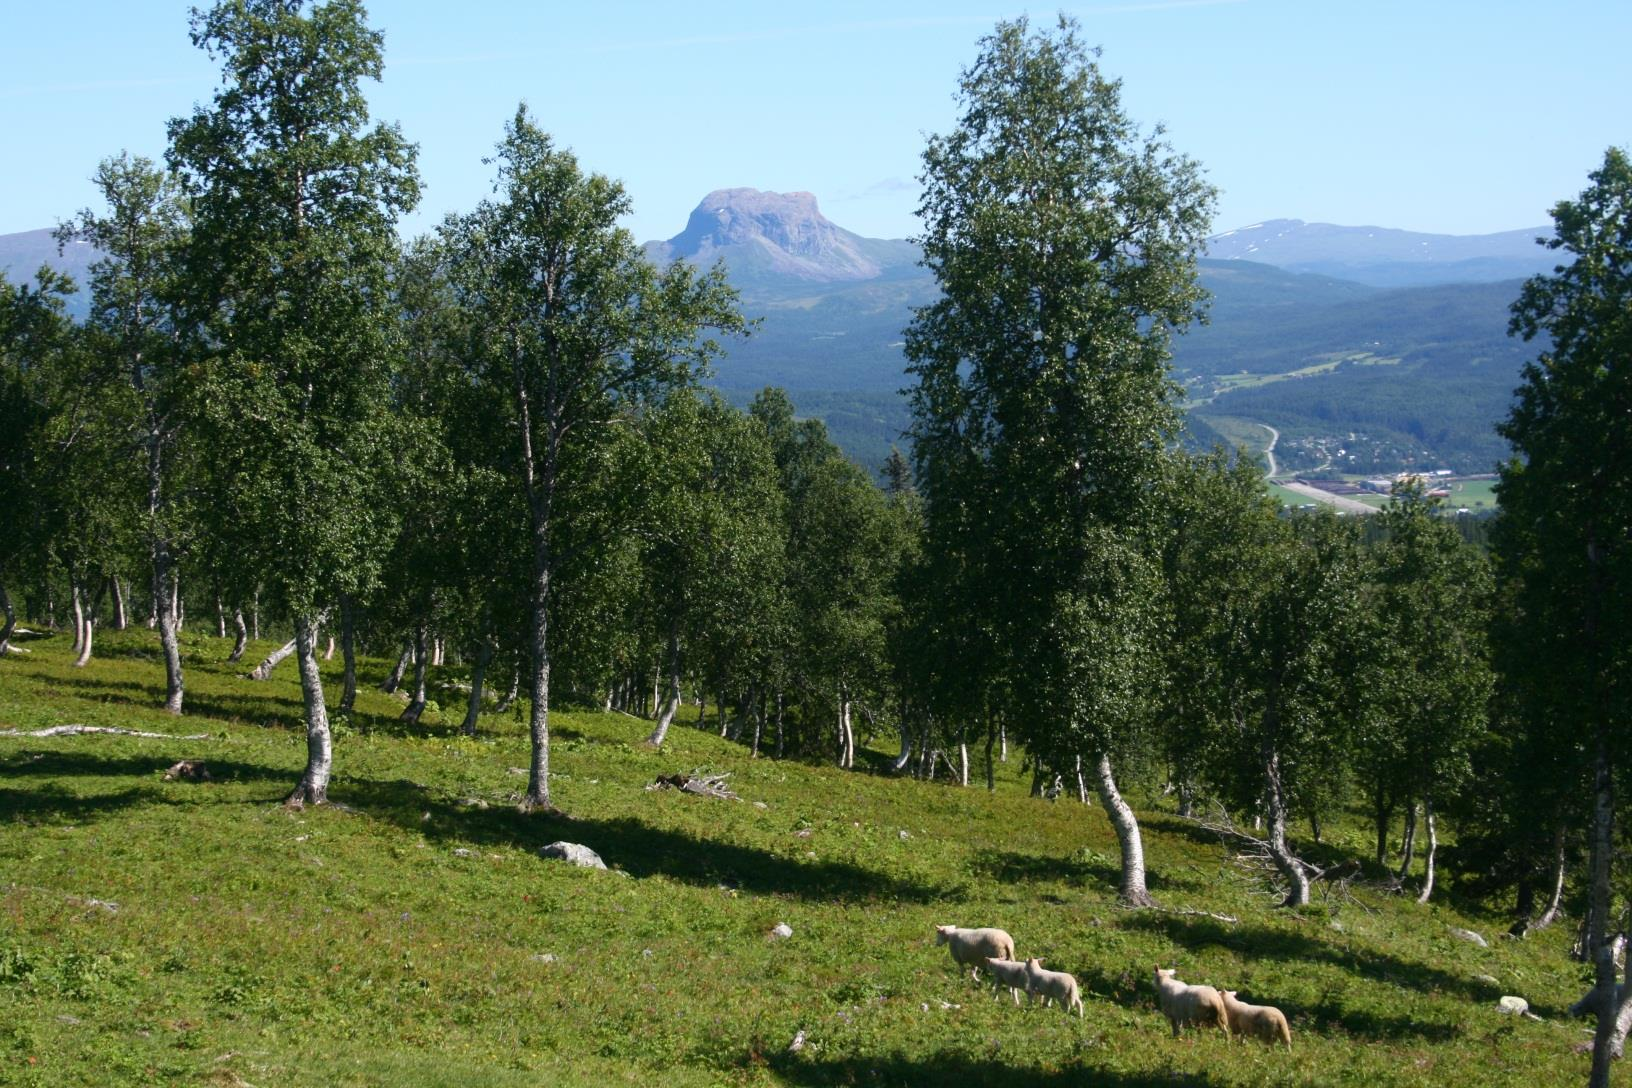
[1453, 117]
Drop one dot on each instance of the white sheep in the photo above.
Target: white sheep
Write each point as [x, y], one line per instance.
[1259, 1021]
[1055, 986]
[1185, 1006]
[1010, 973]
[972, 947]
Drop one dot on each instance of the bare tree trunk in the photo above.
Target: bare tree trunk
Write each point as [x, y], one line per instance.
[328, 651]
[348, 653]
[88, 622]
[416, 700]
[220, 618]
[394, 677]
[1382, 815]
[538, 723]
[255, 616]
[9, 623]
[120, 619]
[1132, 891]
[264, 669]
[780, 736]
[1082, 786]
[79, 617]
[1408, 846]
[478, 673]
[665, 716]
[963, 763]
[847, 733]
[240, 635]
[164, 575]
[759, 721]
[1554, 904]
[1003, 742]
[1297, 877]
[314, 782]
[1433, 846]
[513, 694]
[901, 761]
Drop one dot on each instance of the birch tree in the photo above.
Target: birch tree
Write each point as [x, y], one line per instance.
[580, 331]
[295, 196]
[139, 234]
[1565, 540]
[1064, 241]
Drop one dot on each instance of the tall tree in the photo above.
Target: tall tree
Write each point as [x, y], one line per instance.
[132, 291]
[580, 331]
[295, 197]
[1565, 541]
[1064, 241]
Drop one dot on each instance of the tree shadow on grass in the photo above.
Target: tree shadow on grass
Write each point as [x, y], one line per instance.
[1013, 867]
[222, 707]
[51, 804]
[1260, 942]
[892, 1070]
[634, 847]
[95, 765]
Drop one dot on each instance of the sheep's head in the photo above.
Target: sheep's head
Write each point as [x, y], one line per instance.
[943, 934]
[1033, 963]
[1162, 975]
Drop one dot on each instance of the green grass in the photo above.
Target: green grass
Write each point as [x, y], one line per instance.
[404, 936]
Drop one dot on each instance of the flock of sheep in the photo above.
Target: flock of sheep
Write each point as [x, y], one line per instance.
[1183, 1005]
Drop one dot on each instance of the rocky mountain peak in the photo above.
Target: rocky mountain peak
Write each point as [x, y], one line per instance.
[783, 234]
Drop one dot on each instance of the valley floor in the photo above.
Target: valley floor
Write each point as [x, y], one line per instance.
[181, 932]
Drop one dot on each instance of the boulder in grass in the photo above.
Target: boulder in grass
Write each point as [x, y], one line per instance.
[576, 853]
[1513, 1006]
[1470, 936]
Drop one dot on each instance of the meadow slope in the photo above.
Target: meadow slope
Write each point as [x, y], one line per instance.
[156, 932]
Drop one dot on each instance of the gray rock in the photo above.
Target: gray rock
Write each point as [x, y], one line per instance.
[782, 931]
[463, 852]
[579, 855]
[1469, 936]
[1488, 980]
[1513, 1006]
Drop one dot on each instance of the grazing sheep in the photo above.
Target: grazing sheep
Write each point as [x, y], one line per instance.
[972, 947]
[1053, 986]
[1185, 1006]
[1260, 1021]
[1010, 973]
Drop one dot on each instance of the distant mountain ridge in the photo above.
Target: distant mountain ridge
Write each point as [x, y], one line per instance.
[1384, 257]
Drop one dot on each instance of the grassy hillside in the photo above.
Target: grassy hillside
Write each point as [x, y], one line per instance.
[198, 933]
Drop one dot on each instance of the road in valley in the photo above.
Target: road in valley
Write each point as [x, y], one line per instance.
[1269, 450]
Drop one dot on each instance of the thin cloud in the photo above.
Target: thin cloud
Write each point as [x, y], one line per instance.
[884, 187]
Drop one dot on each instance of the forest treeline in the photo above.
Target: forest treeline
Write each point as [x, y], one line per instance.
[491, 442]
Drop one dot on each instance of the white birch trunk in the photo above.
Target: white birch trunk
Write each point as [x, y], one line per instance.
[394, 677]
[1555, 903]
[240, 635]
[665, 716]
[1408, 844]
[1433, 845]
[272, 660]
[963, 763]
[901, 761]
[84, 657]
[169, 643]
[79, 617]
[328, 651]
[512, 695]
[120, 619]
[416, 700]
[313, 788]
[1082, 785]
[1132, 891]
[8, 620]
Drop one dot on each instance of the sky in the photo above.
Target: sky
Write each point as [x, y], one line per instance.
[1447, 116]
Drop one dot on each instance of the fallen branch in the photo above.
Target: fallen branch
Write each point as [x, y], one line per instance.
[1230, 918]
[696, 782]
[75, 730]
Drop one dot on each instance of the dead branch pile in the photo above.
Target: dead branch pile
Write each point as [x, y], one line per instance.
[1252, 853]
[192, 769]
[704, 785]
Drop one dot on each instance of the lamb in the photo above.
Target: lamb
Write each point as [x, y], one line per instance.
[1185, 1006]
[1010, 973]
[972, 947]
[1260, 1021]
[1053, 986]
